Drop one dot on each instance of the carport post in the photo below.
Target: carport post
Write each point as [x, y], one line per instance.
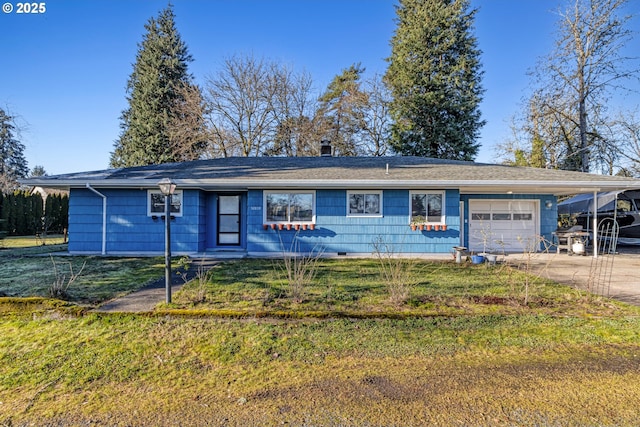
[595, 223]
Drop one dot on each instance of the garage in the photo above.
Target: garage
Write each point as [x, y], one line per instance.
[503, 225]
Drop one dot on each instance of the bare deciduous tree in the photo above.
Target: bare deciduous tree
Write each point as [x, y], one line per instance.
[255, 107]
[297, 128]
[377, 117]
[624, 132]
[239, 98]
[567, 111]
[187, 131]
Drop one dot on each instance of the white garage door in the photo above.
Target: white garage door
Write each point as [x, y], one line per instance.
[497, 225]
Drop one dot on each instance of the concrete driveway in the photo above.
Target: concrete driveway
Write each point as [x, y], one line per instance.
[616, 276]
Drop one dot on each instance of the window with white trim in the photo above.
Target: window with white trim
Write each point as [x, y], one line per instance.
[289, 206]
[364, 203]
[427, 207]
[155, 203]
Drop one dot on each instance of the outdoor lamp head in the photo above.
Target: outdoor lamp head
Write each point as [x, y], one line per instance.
[167, 186]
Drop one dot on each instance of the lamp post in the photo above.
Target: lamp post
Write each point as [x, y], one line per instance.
[167, 187]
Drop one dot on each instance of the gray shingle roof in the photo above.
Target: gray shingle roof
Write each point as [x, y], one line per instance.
[343, 172]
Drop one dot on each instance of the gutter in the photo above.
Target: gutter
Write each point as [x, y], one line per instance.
[104, 217]
[465, 186]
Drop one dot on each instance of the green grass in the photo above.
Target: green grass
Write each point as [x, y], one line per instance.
[355, 288]
[54, 242]
[462, 349]
[495, 370]
[28, 269]
[100, 280]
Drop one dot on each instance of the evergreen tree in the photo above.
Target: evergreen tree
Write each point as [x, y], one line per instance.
[156, 93]
[434, 76]
[3, 217]
[38, 170]
[13, 164]
[343, 107]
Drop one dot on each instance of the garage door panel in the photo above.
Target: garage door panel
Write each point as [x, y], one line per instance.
[482, 205]
[502, 225]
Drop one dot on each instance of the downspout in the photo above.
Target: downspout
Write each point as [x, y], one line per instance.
[104, 217]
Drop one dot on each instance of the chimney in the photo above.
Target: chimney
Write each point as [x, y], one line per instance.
[325, 148]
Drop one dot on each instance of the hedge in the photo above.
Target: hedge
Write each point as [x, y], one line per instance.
[23, 213]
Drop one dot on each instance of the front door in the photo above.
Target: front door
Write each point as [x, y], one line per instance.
[228, 220]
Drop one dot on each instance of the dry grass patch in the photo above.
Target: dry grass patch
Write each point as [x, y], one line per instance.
[124, 370]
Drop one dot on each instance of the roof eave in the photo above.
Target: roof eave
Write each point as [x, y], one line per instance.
[465, 186]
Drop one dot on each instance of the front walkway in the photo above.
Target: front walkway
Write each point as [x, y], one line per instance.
[146, 299]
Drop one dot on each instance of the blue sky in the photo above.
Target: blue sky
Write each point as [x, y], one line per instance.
[64, 71]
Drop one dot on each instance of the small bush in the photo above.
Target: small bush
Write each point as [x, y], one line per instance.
[61, 283]
[396, 271]
[299, 268]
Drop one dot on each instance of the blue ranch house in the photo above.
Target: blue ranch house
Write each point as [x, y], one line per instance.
[262, 206]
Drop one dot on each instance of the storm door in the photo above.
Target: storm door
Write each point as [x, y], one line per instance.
[229, 220]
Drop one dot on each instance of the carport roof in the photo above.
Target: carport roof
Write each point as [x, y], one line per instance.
[241, 173]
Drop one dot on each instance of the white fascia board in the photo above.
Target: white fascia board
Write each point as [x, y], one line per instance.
[492, 186]
[570, 187]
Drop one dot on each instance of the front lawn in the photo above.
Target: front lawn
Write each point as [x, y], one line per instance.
[356, 288]
[244, 345]
[53, 242]
[113, 370]
[28, 270]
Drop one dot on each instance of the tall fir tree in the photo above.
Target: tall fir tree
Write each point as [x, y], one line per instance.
[435, 75]
[156, 95]
[13, 164]
[342, 105]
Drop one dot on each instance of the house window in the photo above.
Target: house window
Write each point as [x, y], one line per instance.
[367, 203]
[427, 207]
[295, 206]
[155, 203]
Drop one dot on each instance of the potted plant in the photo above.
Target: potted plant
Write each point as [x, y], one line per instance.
[417, 221]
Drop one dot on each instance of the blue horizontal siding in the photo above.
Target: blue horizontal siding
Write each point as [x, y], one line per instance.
[336, 232]
[129, 229]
